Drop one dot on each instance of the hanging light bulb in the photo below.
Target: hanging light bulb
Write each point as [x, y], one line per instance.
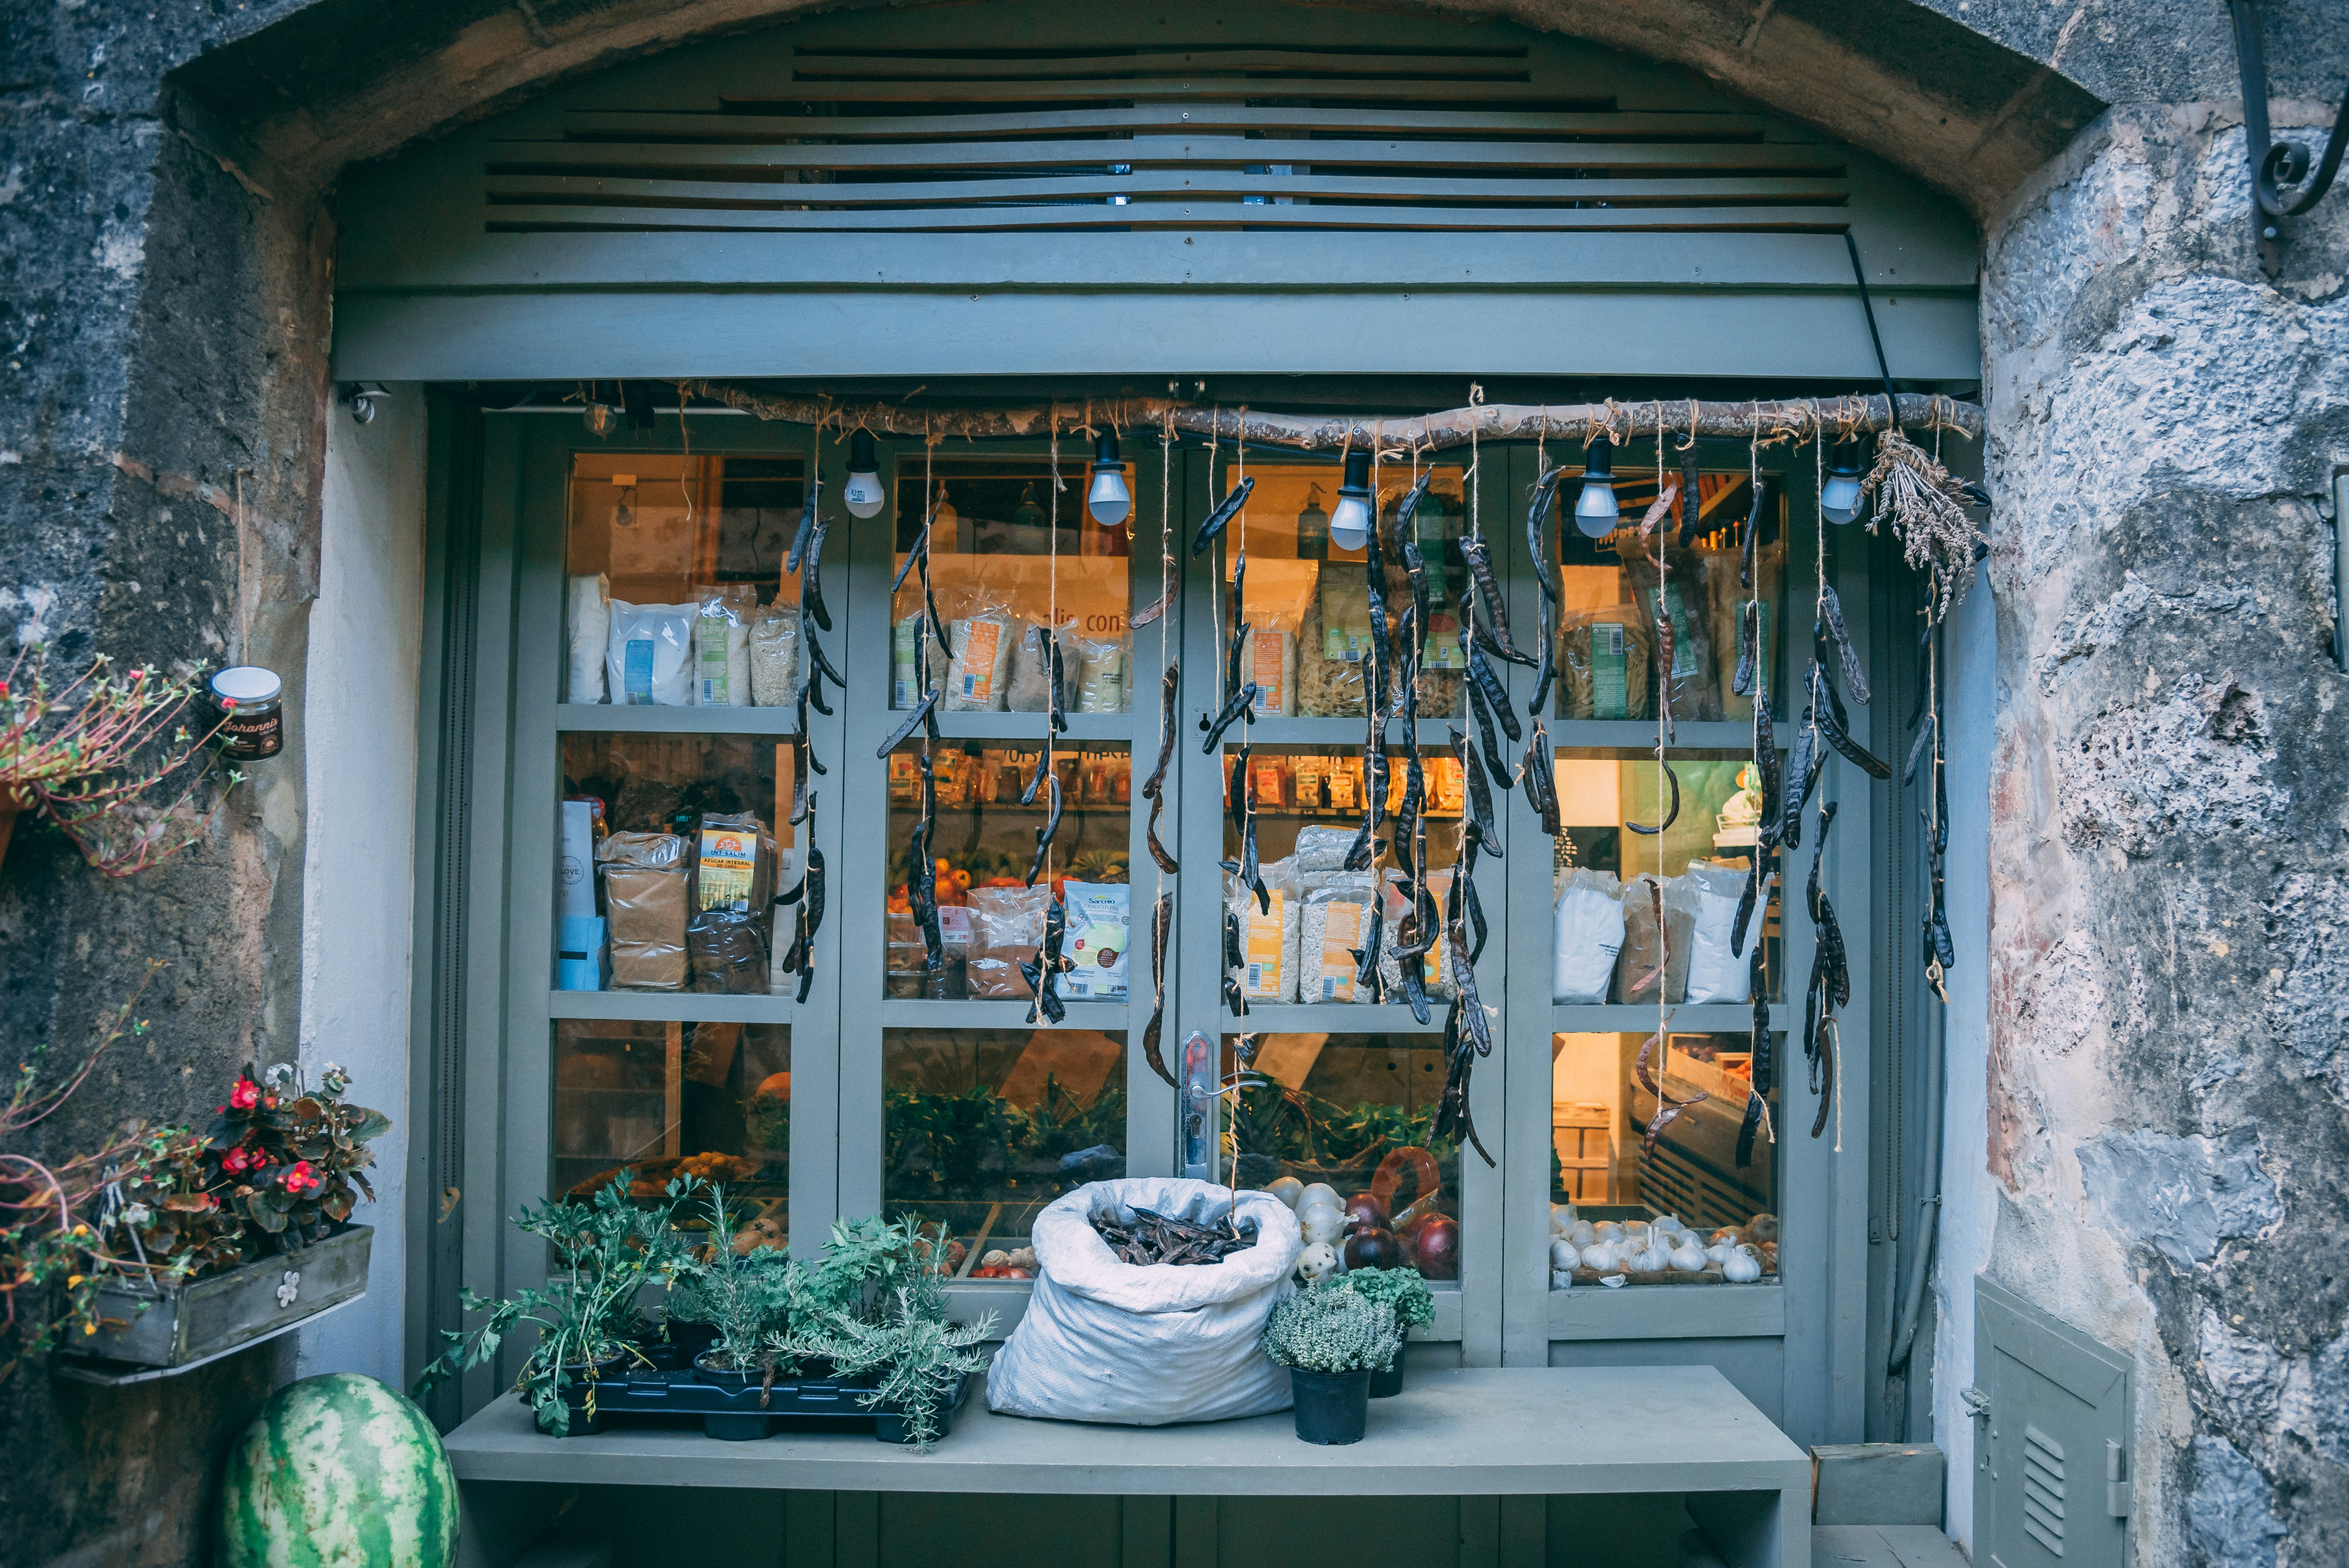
[1595, 511]
[1839, 497]
[1107, 497]
[1350, 525]
[862, 494]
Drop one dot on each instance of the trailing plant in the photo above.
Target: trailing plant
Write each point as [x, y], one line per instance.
[1332, 1328]
[746, 1297]
[106, 759]
[1402, 1291]
[605, 1250]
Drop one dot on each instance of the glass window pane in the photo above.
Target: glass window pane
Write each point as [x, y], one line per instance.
[704, 537]
[982, 1128]
[1603, 934]
[1609, 598]
[1618, 1204]
[1356, 1112]
[680, 829]
[1307, 601]
[1000, 561]
[990, 921]
[650, 1101]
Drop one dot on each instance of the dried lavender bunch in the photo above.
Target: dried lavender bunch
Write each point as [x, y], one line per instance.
[1929, 516]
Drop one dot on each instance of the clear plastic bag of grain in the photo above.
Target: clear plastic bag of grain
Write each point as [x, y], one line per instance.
[1434, 973]
[1330, 644]
[1322, 849]
[775, 657]
[1268, 936]
[1602, 663]
[1339, 908]
[1028, 688]
[1678, 594]
[1102, 675]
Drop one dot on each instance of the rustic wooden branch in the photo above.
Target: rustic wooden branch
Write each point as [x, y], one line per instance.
[1786, 420]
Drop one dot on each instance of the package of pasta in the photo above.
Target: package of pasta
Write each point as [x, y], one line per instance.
[1268, 936]
[1099, 674]
[1434, 973]
[1644, 947]
[1603, 663]
[1679, 596]
[1007, 927]
[1335, 924]
[978, 679]
[1330, 644]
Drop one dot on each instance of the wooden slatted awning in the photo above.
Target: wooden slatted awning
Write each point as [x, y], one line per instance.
[1240, 136]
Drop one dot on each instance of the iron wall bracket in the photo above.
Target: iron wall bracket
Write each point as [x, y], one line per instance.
[2276, 164]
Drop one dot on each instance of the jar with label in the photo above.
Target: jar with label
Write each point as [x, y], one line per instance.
[250, 701]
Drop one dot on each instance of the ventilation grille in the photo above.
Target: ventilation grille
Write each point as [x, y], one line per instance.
[2043, 1489]
[1231, 137]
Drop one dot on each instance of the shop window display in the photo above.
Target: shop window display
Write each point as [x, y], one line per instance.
[649, 1102]
[999, 568]
[990, 920]
[669, 860]
[982, 1128]
[1354, 1114]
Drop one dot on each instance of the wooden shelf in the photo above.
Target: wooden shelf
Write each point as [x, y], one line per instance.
[669, 1007]
[610, 718]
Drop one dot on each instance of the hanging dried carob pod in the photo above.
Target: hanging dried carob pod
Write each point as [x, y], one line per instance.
[1691, 494]
[1478, 553]
[1059, 719]
[1541, 779]
[1672, 814]
[1154, 789]
[1764, 1066]
[1162, 926]
[1669, 1108]
[1479, 794]
[1830, 983]
[1538, 516]
[1051, 826]
[1495, 767]
[812, 579]
[922, 882]
[1451, 1114]
[1044, 972]
[806, 529]
[912, 721]
[1486, 680]
[1749, 537]
[1234, 960]
[1226, 510]
[1151, 612]
[1831, 614]
[1216, 725]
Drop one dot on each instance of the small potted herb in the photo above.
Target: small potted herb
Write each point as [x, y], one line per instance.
[605, 1250]
[745, 1300]
[1415, 1306]
[875, 1308]
[1331, 1339]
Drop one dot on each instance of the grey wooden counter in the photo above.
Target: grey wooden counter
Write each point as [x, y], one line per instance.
[1474, 1432]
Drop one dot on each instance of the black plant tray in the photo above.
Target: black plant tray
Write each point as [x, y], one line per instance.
[736, 1415]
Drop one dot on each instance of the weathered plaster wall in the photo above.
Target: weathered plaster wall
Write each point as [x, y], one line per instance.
[366, 661]
[2167, 1087]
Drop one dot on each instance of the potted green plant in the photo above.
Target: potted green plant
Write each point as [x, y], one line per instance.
[1414, 1305]
[875, 1308]
[744, 1298]
[605, 1250]
[1331, 1339]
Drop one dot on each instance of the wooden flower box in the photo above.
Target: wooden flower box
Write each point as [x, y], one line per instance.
[157, 1332]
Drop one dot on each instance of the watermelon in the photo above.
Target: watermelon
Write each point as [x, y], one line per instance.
[338, 1470]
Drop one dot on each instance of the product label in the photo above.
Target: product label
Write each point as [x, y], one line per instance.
[709, 646]
[1610, 694]
[1343, 933]
[637, 672]
[1305, 773]
[1269, 778]
[1683, 627]
[1346, 787]
[901, 661]
[1264, 668]
[730, 860]
[980, 640]
[1263, 951]
[1098, 944]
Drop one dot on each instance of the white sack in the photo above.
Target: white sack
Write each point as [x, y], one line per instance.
[650, 656]
[591, 628]
[1587, 932]
[1715, 973]
[1145, 1346]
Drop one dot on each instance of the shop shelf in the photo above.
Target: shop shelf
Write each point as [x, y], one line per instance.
[919, 1014]
[1706, 1018]
[621, 719]
[668, 1006]
[1028, 728]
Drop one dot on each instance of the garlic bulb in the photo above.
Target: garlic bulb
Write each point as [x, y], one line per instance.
[1602, 1257]
[1654, 1259]
[1583, 1233]
[1719, 1253]
[1742, 1268]
[1563, 1256]
[1322, 1225]
[1561, 1219]
[1688, 1257]
[1608, 1230]
[1319, 1262]
[1671, 1225]
[1561, 1279]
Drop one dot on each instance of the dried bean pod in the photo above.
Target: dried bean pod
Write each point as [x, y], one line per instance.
[811, 584]
[1226, 510]
[1478, 554]
[1855, 675]
[1487, 681]
[1051, 826]
[1671, 816]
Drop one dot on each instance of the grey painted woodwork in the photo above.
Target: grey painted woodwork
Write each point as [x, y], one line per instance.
[1431, 163]
[1490, 1433]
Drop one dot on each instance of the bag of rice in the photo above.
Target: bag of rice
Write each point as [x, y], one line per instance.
[1714, 974]
[1586, 934]
[591, 632]
[650, 660]
[1334, 926]
[1030, 687]
[1323, 848]
[1099, 674]
[1268, 937]
[775, 657]
[721, 645]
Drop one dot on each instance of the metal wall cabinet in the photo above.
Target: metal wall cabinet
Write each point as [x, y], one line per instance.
[1793, 1347]
[2053, 1480]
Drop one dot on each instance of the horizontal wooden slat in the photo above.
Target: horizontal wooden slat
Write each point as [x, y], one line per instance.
[652, 194]
[657, 125]
[1172, 215]
[640, 159]
[942, 65]
[1174, 89]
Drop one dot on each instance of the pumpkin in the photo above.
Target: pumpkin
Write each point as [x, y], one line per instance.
[338, 1469]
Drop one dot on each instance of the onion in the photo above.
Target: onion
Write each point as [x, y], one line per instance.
[1373, 1249]
[1436, 1247]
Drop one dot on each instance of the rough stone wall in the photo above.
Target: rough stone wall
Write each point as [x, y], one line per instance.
[2168, 1076]
[157, 309]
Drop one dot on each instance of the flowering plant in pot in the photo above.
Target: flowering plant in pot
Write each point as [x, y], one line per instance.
[289, 1159]
[1331, 1339]
[1414, 1305]
[605, 1250]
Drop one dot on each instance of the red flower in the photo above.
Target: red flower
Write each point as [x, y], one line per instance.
[233, 1159]
[244, 1094]
[298, 1179]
